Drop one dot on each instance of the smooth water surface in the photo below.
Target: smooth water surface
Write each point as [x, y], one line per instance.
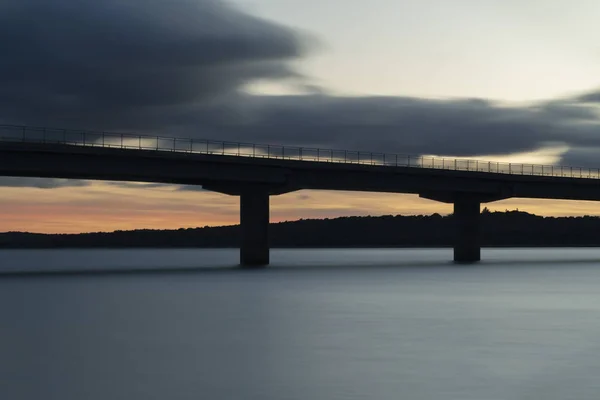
[319, 324]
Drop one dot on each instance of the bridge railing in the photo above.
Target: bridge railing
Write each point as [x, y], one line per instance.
[42, 135]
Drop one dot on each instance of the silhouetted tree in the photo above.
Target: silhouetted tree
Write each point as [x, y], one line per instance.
[511, 228]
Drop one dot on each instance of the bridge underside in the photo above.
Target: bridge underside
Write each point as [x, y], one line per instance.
[254, 220]
[467, 221]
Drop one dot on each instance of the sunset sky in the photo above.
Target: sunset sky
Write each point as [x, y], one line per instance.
[511, 80]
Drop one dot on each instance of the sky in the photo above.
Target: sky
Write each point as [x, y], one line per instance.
[488, 79]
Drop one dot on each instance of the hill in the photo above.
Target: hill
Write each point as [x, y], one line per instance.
[510, 228]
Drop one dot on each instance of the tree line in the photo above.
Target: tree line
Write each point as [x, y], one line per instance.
[510, 228]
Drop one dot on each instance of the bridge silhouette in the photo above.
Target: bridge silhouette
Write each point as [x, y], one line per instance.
[254, 172]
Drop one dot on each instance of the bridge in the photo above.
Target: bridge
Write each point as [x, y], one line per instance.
[254, 172]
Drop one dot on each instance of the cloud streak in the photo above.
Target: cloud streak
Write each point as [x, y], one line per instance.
[87, 61]
[41, 183]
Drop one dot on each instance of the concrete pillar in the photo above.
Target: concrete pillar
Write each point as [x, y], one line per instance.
[467, 245]
[254, 221]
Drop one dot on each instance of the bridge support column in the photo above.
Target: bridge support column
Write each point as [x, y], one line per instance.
[467, 245]
[254, 221]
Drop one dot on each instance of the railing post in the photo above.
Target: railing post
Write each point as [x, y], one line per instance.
[239, 150]
[300, 153]
[509, 168]
[396, 159]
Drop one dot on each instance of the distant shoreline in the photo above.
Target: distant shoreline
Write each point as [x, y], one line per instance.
[508, 229]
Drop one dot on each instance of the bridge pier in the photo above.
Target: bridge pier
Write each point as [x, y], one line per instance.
[467, 220]
[254, 225]
[254, 217]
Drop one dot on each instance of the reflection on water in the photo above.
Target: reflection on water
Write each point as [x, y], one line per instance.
[320, 324]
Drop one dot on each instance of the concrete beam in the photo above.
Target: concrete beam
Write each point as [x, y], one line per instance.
[467, 220]
[254, 221]
[453, 197]
[237, 189]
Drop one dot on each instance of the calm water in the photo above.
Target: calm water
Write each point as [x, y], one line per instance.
[320, 324]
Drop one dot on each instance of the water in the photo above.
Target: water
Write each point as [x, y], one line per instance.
[320, 324]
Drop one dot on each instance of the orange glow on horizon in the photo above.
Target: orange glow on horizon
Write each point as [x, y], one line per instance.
[104, 207]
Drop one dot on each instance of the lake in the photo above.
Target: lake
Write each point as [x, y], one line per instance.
[318, 324]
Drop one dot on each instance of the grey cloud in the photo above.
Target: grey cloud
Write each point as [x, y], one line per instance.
[191, 188]
[590, 97]
[140, 185]
[468, 127]
[586, 157]
[176, 67]
[41, 183]
[89, 61]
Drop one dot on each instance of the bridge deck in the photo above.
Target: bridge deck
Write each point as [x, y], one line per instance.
[128, 141]
[223, 166]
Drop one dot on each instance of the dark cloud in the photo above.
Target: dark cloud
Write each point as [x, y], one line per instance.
[177, 67]
[586, 157]
[41, 183]
[452, 127]
[139, 185]
[88, 61]
[590, 97]
[391, 124]
[191, 188]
